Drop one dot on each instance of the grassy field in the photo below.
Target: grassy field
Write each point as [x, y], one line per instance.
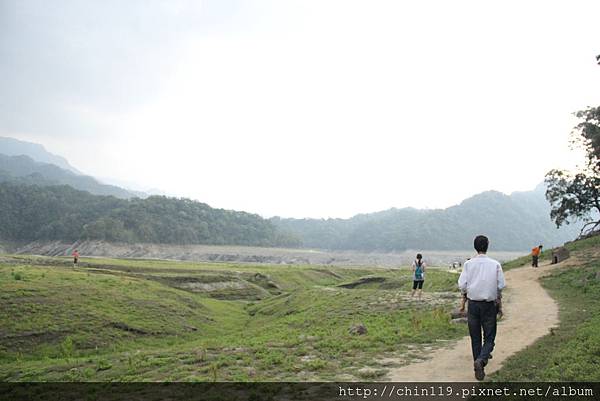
[150, 320]
[572, 351]
[132, 320]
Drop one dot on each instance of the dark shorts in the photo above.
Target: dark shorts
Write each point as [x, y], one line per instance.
[418, 283]
[75, 260]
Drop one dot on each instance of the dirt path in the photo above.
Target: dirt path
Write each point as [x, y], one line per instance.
[529, 314]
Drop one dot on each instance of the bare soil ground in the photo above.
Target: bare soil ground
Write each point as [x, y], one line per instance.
[529, 313]
[245, 254]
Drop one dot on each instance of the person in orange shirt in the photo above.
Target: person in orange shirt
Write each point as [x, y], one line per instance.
[75, 257]
[535, 255]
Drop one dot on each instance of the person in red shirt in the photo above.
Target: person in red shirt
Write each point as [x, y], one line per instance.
[75, 257]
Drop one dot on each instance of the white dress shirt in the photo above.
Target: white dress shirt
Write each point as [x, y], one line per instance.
[481, 278]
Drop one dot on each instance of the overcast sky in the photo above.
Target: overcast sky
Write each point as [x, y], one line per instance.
[302, 108]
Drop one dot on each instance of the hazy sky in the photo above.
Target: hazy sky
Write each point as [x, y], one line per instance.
[302, 108]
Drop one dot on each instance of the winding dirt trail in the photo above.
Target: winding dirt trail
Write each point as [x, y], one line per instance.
[529, 313]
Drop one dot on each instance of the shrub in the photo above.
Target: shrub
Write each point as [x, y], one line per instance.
[67, 348]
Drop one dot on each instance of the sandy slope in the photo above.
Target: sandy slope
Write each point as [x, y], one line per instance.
[529, 314]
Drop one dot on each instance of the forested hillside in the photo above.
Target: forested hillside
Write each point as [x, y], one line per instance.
[35, 209]
[31, 212]
[515, 222]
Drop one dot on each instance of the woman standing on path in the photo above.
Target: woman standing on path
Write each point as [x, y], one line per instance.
[418, 268]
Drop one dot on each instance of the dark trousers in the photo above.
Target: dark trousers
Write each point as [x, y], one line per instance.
[482, 317]
[534, 261]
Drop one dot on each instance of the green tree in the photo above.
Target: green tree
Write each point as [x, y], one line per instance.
[576, 196]
[587, 134]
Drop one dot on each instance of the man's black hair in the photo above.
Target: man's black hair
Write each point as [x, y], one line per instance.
[481, 243]
[419, 256]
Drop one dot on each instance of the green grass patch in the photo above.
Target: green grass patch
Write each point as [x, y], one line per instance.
[135, 320]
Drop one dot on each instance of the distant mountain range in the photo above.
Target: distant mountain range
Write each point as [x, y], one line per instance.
[513, 222]
[25, 170]
[45, 168]
[15, 147]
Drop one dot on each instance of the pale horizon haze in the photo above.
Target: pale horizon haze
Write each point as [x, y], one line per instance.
[302, 108]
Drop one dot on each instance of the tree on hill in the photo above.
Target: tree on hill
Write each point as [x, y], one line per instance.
[587, 133]
[576, 196]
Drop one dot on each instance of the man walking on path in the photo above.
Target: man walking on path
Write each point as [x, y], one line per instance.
[482, 280]
[535, 255]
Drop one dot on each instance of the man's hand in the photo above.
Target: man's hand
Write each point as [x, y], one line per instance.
[500, 313]
[463, 301]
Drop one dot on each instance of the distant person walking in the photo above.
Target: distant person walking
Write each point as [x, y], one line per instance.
[418, 268]
[535, 255]
[75, 255]
[482, 280]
